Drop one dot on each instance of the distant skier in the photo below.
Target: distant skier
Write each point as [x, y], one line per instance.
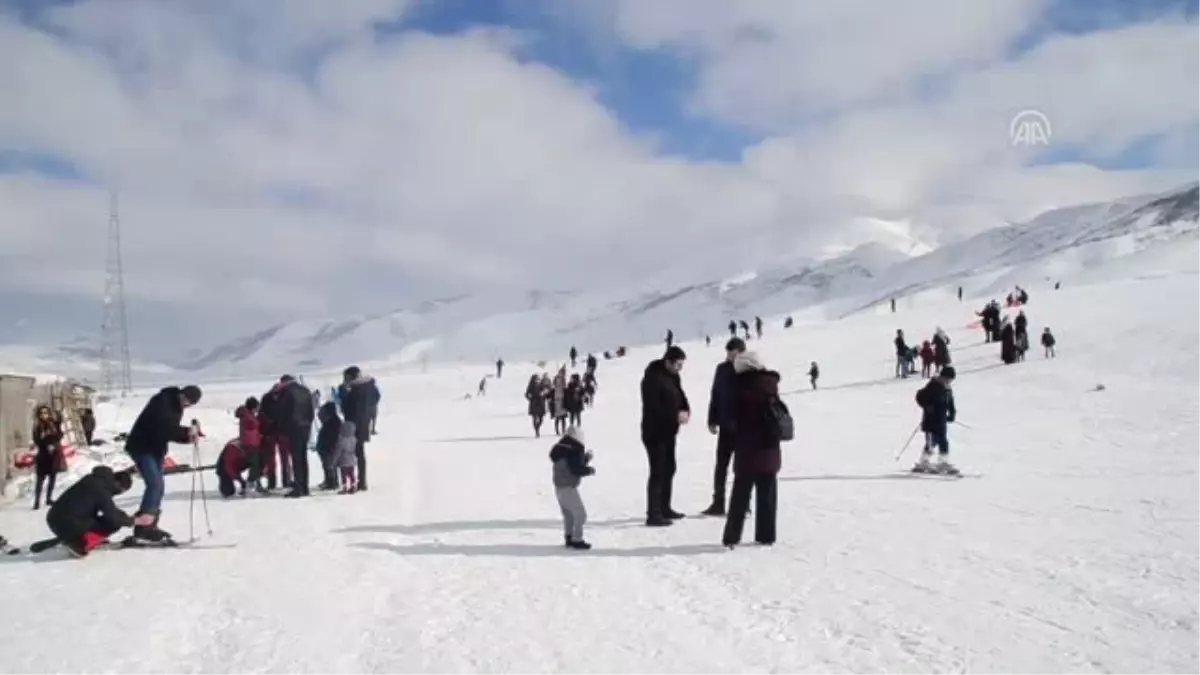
[745, 329]
[589, 388]
[787, 323]
[936, 400]
[814, 373]
[158, 425]
[901, 354]
[574, 354]
[960, 293]
[558, 401]
[758, 326]
[499, 368]
[732, 328]
[1048, 342]
[85, 516]
[893, 305]
[670, 338]
[707, 340]
[571, 460]
[664, 409]
[483, 386]
[1021, 324]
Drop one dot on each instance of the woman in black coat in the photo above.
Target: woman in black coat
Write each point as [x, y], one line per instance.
[1008, 344]
[47, 438]
[756, 454]
[535, 393]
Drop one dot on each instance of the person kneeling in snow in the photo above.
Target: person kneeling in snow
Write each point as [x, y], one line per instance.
[233, 462]
[937, 411]
[85, 516]
[571, 460]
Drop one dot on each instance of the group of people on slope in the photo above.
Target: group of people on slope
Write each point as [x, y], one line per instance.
[564, 397]
[933, 353]
[281, 424]
[49, 454]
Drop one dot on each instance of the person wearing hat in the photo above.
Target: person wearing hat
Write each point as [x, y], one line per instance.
[664, 408]
[720, 422]
[936, 399]
[360, 401]
[159, 424]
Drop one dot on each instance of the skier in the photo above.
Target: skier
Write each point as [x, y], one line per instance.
[85, 516]
[360, 405]
[1048, 342]
[483, 386]
[813, 374]
[295, 425]
[670, 338]
[571, 459]
[720, 422]
[756, 454]
[574, 354]
[901, 355]
[327, 439]
[707, 340]
[758, 326]
[664, 409]
[936, 399]
[158, 425]
[49, 458]
[499, 368]
[960, 293]
[536, 396]
[893, 305]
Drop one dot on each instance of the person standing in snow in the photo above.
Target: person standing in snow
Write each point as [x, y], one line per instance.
[558, 408]
[1008, 343]
[85, 516]
[591, 363]
[941, 349]
[927, 357]
[901, 355]
[295, 424]
[758, 326]
[87, 420]
[535, 394]
[670, 338]
[482, 386]
[48, 458]
[345, 457]
[720, 422]
[273, 458]
[664, 408]
[570, 464]
[574, 354]
[589, 388]
[360, 403]
[573, 401]
[158, 425]
[732, 328]
[813, 374]
[1048, 342]
[936, 400]
[327, 439]
[756, 452]
[499, 368]
[745, 330]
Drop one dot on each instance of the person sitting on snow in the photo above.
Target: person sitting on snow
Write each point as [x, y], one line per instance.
[85, 516]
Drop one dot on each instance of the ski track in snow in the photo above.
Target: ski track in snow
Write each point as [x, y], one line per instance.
[1074, 550]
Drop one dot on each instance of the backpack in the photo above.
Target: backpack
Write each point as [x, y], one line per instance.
[779, 420]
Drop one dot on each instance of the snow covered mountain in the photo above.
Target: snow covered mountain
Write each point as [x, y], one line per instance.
[1131, 236]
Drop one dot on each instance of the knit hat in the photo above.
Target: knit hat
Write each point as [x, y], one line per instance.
[351, 373]
[747, 361]
[192, 394]
[674, 353]
[576, 433]
[947, 372]
[735, 344]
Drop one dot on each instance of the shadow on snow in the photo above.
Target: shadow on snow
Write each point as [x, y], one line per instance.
[539, 550]
[480, 439]
[476, 525]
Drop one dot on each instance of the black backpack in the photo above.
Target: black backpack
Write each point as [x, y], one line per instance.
[779, 420]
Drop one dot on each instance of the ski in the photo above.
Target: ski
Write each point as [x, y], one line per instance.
[944, 476]
[133, 543]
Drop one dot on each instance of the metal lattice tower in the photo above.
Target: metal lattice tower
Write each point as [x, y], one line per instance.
[116, 375]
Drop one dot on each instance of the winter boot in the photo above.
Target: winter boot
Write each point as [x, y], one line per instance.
[714, 509]
[945, 467]
[659, 521]
[580, 545]
[923, 465]
[674, 515]
[146, 529]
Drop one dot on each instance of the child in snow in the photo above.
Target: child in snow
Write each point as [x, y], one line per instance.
[327, 440]
[345, 459]
[936, 399]
[926, 359]
[1048, 342]
[813, 374]
[571, 460]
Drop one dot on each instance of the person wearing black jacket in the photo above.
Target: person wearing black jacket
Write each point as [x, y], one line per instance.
[327, 436]
[756, 453]
[278, 469]
[87, 420]
[721, 422]
[85, 516]
[295, 428]
[360, 400]
[902, 355]
[158, 425]
[936, 400]
[47, 439]
[664, 408]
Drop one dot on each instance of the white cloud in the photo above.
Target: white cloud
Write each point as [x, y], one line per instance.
[276, 158]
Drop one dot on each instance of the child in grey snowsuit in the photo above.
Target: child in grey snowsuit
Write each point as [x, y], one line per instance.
[571, 460]
[344, 458]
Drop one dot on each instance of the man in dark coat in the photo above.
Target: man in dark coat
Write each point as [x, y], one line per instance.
[756, 454]
[664, 408]
[941, 349]
[360, 400]
[936, 399]
[295, 427]
[158, 425]
[85, 515]
[278, 469]
[721, 422]
[902, 357]
[1008, 344]
[87, 419]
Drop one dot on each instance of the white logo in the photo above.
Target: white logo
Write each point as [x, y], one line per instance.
[1030, 127]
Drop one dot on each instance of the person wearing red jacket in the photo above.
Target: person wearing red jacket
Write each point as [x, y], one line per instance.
[927, 356]
[240, 455]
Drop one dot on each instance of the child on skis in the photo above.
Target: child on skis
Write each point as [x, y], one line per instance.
[570, 459]
[936, 399]
[345, 458]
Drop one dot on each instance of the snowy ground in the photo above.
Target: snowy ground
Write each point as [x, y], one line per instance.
[1073, 547]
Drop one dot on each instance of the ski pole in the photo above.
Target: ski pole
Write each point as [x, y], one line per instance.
[965, 426]
[908, 442]
[203, 492]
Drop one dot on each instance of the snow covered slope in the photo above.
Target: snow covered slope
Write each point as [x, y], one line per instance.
[1072, 545]
[1070, 245]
